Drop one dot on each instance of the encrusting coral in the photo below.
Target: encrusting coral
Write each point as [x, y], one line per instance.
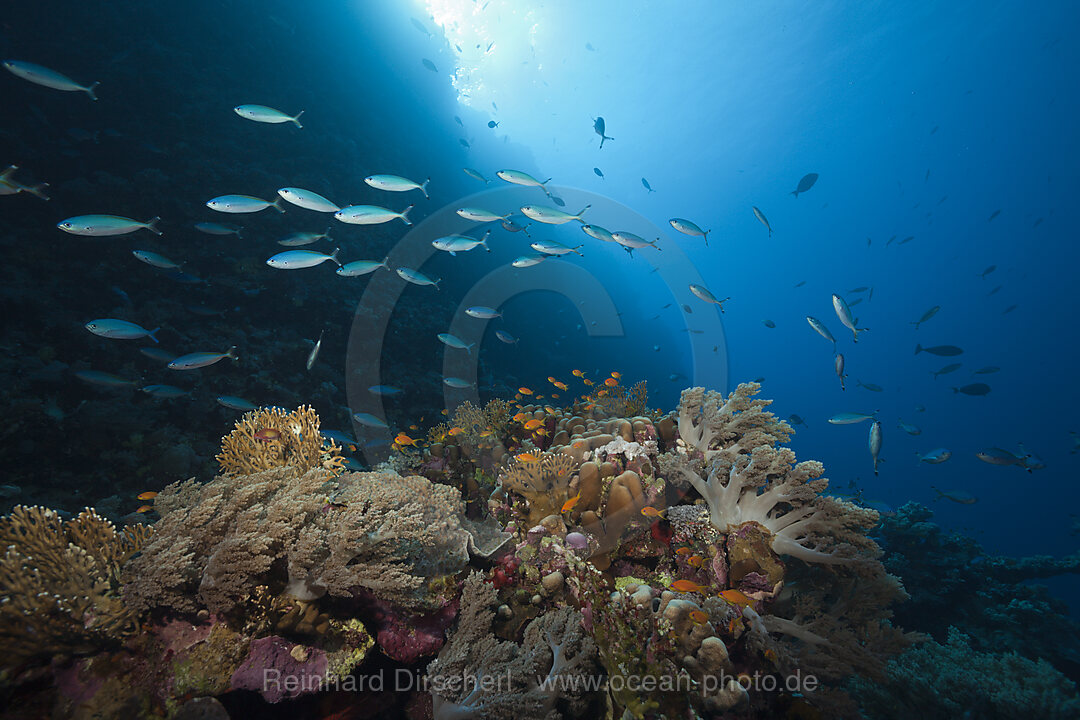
[273, 437]
[59, 593]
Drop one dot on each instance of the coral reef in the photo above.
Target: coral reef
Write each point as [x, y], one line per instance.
[953, 680]
[59, 593]
[990, 599]
[273, 438]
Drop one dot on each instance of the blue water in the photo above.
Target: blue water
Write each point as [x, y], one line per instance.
[922, 119]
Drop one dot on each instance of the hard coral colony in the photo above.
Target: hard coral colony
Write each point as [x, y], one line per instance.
[641, 566]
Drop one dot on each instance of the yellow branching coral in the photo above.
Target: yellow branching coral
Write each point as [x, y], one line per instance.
[544, 482]
[271, 438]
[59, 583]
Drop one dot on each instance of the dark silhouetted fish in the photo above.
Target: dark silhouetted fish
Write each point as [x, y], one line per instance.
[973, 389]
[994, 291]
[599, 128]
[599, 174]
[940, 350]
[429, 65]
[987, 271]
[420, 26]
[646, 185]
[993, 215]
[1009, 309]
[945, 370]
[805, 184]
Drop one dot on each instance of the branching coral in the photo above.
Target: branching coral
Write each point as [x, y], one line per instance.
[304, 535]
[709, 422]
[271, 437]
[545, 678]
[58, 583]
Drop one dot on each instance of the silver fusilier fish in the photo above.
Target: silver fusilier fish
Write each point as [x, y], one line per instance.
[875, 443]
[844, 313]
[821, 329]
[264, 114]
[762, 219]
[193, 361]
[926, 316]
[840, 369]
[314, 354]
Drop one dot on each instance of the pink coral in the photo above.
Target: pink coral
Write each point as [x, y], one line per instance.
[273, 669]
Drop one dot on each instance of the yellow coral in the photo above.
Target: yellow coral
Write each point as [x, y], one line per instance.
[271, 437]
[59, 583]
[543, 482]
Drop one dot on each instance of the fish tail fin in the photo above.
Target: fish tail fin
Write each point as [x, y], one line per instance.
[327, 233]
[956, 390]
[152, 334]
[436, 283]
[484, 243]
[37, 190]
[8, 172]
[90, 90]
[333, 256]
[277, 205]
[296, 119]
[238, 233]
[151, 225]
[231, 353]
[939, 493]
[582, 212]
[468, 348]
[405, 215]
[795, 193]
[918, 348]
[575, 249]
[423, 189]
[385, 262]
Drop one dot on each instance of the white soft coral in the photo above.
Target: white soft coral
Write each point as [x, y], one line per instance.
[744, 477]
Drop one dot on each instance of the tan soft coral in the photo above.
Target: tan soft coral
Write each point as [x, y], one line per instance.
[272, 437]
[304, 535]
[58, 584]
[544, 482]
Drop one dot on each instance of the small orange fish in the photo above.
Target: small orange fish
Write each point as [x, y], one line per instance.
[548, 409]
[539, 397]
[517, 396]
[577, 373]
[650, 511]
[148, 495]
[770, 655]
[735, 625]
[519, 417]
[554, 396]
[534, 424]
[683, 550]
[444, 411]
[686, 586]
[525, 391]
[560, 385]
[588, 382]
[611, 382]
[403, 439]
[267, 434]
[542, 432]
[695, 561]
[454, 431]
[616, 375]
[736, 597]
[571, 503]
[527, 458]
[145, 509]
[699, 616]
[414, 428]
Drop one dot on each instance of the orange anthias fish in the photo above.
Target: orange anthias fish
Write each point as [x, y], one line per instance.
[650, 511]
[560, 385]
[695, 561]
[403, 439]
[145, 509]
[683, 551]
[534, 424]
[686, 586]
[454, 431]
[554, 396]
[577, 373]
[525, 391]
[616, 375]
[571, 503]
[588, 382]
[519, 417]
[699, 616]
[148, 495]
[267, 434]
[735, 624]
[736, 597]
[611, 382]
[527, 458]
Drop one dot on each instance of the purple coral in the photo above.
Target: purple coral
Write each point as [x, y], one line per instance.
[405, 637]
